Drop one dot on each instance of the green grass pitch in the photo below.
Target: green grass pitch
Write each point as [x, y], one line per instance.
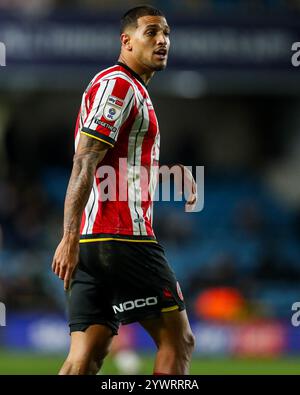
[23, 363]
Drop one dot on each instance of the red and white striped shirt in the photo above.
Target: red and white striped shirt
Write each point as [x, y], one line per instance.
[116, 109]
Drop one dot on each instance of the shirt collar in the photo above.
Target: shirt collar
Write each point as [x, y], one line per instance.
[133, 73]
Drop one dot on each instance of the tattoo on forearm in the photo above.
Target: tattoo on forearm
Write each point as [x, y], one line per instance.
[80, 184]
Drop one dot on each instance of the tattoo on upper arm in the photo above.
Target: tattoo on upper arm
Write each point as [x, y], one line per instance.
[89, 146]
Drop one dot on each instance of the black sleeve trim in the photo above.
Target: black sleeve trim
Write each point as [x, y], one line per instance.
[99, 136]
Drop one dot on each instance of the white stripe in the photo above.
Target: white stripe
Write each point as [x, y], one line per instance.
[101, 97]
[149, 213]
[153, 174]
[87, 211]
[83, 111]
[134, 184]
[154, 168]
[98, 96]
[77, 139]
[95, 208]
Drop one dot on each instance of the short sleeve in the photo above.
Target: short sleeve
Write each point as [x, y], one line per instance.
[109, 105]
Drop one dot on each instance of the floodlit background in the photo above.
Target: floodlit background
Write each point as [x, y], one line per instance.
[229, 101]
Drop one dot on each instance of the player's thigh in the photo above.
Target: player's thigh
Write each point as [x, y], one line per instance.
[170, 329]
[92, 344]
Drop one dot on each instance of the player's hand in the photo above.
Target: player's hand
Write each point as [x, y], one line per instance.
[190, 184]
[190, 189]
[66, 259]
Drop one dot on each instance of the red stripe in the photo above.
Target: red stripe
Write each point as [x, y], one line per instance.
[77, 123]
[82, 222]
[121, 88]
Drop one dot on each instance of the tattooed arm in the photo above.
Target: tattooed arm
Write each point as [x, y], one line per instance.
[88, 154]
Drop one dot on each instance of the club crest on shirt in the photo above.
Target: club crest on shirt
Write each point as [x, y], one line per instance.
[113, 108]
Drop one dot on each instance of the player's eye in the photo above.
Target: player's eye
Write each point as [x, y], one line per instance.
[151, 33]
[167, 34]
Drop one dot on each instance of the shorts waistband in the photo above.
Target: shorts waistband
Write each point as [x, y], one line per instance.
[97, 237]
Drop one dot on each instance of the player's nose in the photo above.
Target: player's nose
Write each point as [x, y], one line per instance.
[162, 39]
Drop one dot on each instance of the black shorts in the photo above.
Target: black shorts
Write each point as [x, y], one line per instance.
[121, 282]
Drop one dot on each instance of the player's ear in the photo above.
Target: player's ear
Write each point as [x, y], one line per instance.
[126, 42]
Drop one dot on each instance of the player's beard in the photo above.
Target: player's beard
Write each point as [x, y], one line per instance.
[157, 67]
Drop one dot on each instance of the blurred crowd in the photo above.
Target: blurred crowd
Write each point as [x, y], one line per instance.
[188, 7]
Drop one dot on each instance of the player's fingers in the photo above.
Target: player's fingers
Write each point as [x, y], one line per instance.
[191, 203]
[195, 188]
[195, 199]
[192, 198]
[62, 272]
[57, 268]
[189, 208]
[67, 279]
[53, 265]
[66, 283]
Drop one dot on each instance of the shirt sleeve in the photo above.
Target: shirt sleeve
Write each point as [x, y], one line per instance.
[109, 105]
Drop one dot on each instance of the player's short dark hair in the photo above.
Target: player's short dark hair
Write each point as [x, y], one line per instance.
[132, 15]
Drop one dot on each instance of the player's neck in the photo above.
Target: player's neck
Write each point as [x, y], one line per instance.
[145, 74]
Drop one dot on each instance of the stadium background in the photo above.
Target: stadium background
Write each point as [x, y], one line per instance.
[229, 101]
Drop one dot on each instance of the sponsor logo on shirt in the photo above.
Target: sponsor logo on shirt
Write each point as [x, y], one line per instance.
[113, 108]
[106, 125]
[116, 101]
